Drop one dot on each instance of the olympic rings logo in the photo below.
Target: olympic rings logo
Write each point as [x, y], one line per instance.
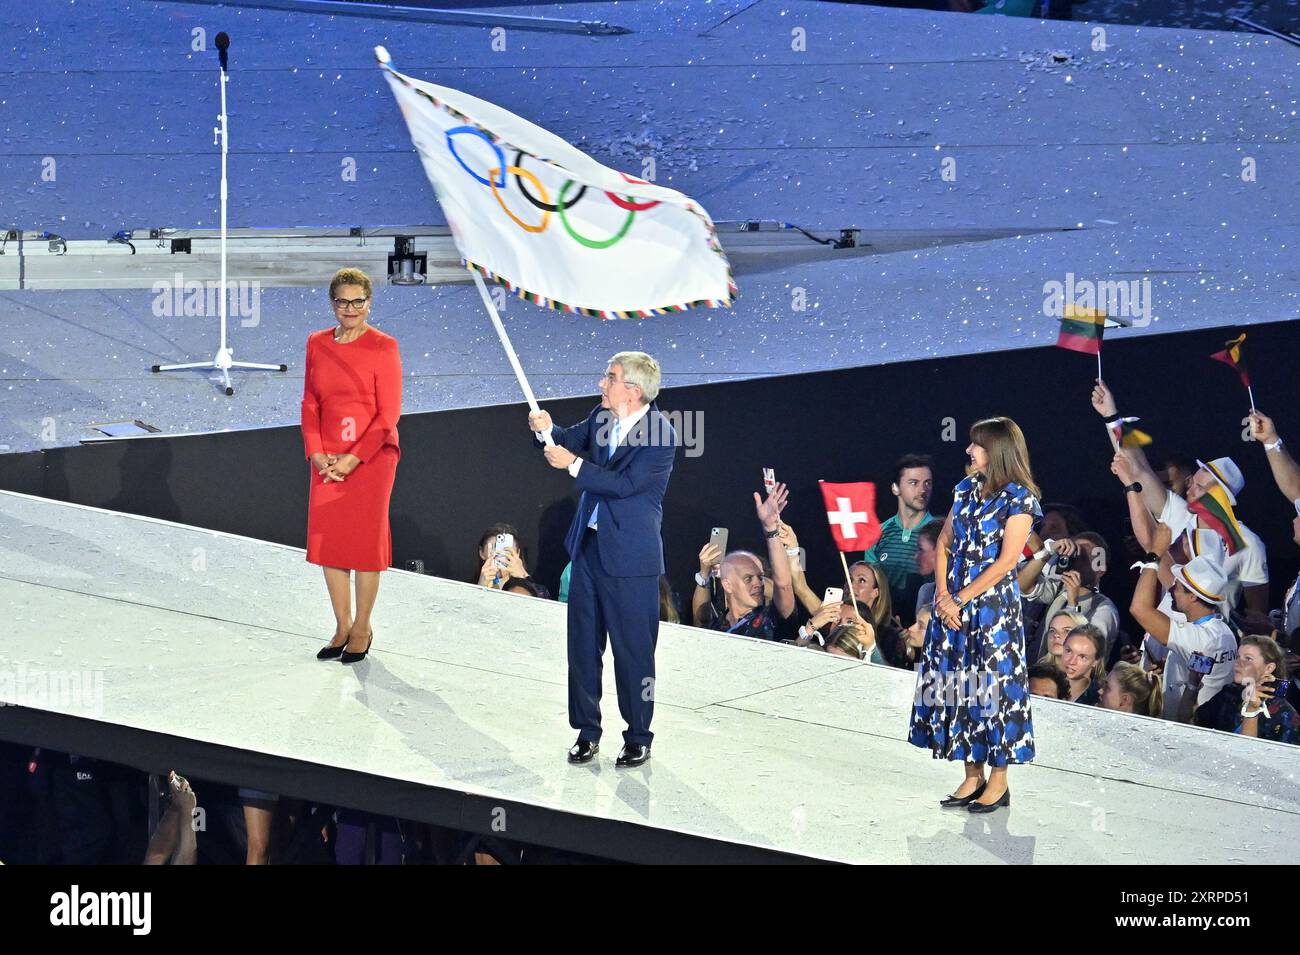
[539, 198]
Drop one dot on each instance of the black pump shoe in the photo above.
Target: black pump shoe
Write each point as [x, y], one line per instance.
[961, 802]
[980, 807]
[354, 657]
[330, 653]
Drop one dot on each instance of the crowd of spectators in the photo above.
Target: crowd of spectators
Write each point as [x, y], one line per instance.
[1198, 643]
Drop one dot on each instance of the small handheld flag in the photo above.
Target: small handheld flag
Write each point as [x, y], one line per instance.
[851, 512]
[1233, 356]
[1127, 436]
[1081, 329]
[1214, 507]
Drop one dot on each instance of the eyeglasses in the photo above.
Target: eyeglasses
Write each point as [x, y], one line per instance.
[356, 303]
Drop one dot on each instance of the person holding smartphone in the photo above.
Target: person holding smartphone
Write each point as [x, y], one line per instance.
[972, 693]
[1255, 704]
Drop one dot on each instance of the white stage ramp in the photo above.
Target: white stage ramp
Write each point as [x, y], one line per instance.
[195, 650]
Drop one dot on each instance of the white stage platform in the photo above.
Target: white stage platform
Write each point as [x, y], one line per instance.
[201, 646]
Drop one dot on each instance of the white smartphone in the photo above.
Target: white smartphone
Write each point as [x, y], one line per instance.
[718, 537]
[503, 543]
[769, 480]
[834, 595]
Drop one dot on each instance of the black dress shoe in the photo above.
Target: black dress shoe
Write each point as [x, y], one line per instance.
[960, 802]
[349, 657]
[583, 751]
[330, 653]
[980, 807]
[632, 754]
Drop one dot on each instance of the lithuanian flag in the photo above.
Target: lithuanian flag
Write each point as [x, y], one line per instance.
[1127, 436]
[1233, 357]
[1081, 329]
[1214, 507]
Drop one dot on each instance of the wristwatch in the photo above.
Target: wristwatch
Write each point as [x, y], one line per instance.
[770, 534]
[701, 580]
[1134, 488]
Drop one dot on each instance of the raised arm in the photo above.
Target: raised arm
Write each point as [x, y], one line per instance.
[1285, 470]
[1145, 604]
[769, 516]
[798, 576]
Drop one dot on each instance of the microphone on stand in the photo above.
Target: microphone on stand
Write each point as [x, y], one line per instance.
[223, 46]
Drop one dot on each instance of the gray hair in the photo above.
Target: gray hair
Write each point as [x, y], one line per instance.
[641, 370]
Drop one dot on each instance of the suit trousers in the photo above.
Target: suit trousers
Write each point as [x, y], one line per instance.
[627, 609]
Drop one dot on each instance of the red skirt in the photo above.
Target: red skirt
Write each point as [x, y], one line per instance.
[347, 521]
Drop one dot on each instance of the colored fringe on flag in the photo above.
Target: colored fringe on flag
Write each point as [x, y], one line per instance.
[555, 227]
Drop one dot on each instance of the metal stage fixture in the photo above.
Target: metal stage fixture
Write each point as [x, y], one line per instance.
[224, 360]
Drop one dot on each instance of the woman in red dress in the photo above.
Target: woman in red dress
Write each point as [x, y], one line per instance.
[351, 400]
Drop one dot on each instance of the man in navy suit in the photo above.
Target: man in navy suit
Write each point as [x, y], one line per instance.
[621, 458]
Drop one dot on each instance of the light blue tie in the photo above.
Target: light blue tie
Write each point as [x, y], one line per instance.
[614, 438]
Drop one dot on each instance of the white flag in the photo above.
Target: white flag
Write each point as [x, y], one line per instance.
[549, 222]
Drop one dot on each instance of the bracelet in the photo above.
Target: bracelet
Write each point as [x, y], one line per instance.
[1251, 716]
[1145, 565]
[770, 534]
[1275, 446]
[792, 551]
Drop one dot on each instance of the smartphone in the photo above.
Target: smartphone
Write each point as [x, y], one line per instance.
[834, 595]
[718, 537]
[1200, 663]
[769, 480]
[503, 543]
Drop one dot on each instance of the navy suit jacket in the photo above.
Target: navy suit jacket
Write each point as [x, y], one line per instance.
[629, 487]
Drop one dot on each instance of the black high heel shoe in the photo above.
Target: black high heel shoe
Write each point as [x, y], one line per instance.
[354, 657]
[981, 807]
[330, 653]
[961, 802]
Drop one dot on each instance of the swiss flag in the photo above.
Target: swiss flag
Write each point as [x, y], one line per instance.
[851, 511]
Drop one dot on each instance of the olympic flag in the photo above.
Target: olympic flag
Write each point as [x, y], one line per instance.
[550, 223]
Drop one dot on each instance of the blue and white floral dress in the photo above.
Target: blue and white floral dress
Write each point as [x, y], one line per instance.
[972, 691]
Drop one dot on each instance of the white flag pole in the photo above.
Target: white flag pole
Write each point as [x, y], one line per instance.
[505, 343]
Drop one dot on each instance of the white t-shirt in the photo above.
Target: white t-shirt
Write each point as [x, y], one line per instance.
[1245, 568]
[1210, 636]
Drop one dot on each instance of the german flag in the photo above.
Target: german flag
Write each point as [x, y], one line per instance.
[1233, 357]
[1127, 436]
[1214, 507]
[1081, 330]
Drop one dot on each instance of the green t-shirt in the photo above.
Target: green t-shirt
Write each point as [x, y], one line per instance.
[896, 552]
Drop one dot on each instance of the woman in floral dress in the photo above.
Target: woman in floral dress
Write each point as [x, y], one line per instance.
[972, 695]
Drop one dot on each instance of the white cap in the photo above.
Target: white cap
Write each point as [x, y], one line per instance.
[1202, 542]
[1226, 472]
[1204, 579]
